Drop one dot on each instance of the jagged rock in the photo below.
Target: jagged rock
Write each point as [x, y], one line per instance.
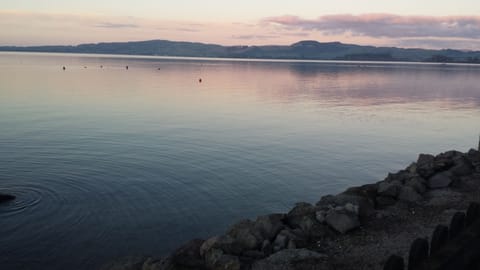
[217, 260]
[267, 247]
[462, 167]
[365, 205]
[226, 243]
[342, 222]
[474, 157]
[311, 227]
[412, 168]
[321, 216]
[425, 165]
[408, 194]
[280, 242]
[270, 225]
[368, 192]
[440, 180]
[293, 259]
[445, 160]
[6, 197]
[389, 189]
[417, 183]
[295, 216]
[246, 234]
[189, 255]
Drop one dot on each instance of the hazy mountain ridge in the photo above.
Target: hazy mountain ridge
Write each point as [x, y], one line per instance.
[306, 49]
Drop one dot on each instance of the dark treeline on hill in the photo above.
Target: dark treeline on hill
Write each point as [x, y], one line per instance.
[311, 50]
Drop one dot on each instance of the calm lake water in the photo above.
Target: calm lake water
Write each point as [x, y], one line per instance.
[108, 162]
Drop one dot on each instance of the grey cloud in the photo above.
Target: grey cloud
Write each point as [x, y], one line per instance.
[386, 25]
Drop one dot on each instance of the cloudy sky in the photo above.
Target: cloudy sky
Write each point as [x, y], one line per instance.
[403, 23]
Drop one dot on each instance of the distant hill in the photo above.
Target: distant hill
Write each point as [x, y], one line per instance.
[307, 49]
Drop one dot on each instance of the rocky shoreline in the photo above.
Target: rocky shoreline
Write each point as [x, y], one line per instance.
[356, 229]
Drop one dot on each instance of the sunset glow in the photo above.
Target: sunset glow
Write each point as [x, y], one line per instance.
[428, 24]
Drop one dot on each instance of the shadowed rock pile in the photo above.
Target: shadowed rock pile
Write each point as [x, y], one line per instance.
[344, 231]
[453, 247]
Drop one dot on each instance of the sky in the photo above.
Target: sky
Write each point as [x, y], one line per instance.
[404, 23]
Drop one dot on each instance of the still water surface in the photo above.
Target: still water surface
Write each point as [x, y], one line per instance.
[108, 162]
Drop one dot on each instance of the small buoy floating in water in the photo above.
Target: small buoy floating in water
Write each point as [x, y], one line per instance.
[63, 68]
[126, 67]
[101, 66]
[200, 80]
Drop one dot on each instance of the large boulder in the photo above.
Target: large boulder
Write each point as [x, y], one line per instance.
[425, 165]
[293, 259]
[188, 256]
[462, 167]
[217, 260]
[246, 234]
[270, 225]
[342, 221]
[389, 189]
[417, 183]
[361, 199]
[295, 216]
[226, 243]
[440, 180]
[6, 197]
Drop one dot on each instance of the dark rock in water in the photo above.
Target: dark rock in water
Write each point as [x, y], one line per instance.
[189, 255]
[342, 222]
[418, 254]
[394, 262]
[425, 165]
[440, 180]
[439, 238]
[6, 197]
[473, 213]
[293, 259]
[457, 224]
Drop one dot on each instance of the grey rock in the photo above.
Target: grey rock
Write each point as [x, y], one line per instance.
[226, 243]
[293, 259]
[295, 216]
[267, 247]
[246, 234]
[352, 208]
[311, 227]
[6, 197]
[426, 165]
[189, 255]
[342, 222]
[439, 180]
[280, 242]
[217, 260]
[389, 189]
[408, 194]
[462, 167]
[357, 197]
[270, 225]
[417, 183]
[321, 216]
[291, 245]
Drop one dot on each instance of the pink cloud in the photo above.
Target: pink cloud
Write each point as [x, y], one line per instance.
[385, 25]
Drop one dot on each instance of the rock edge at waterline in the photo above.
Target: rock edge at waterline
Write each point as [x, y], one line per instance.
[356, 229]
